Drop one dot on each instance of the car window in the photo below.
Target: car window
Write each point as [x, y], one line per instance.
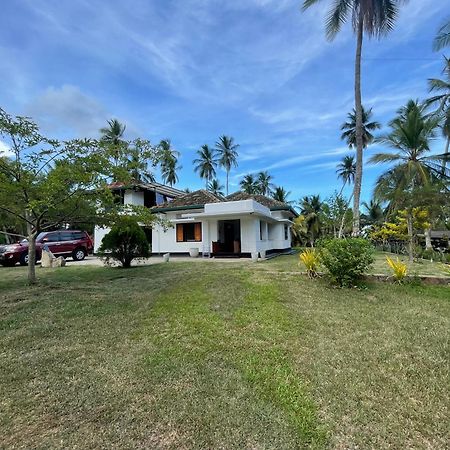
[78, 235]
[66, 236]
[52, 237]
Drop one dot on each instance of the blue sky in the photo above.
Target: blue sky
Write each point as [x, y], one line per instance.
[258, 70]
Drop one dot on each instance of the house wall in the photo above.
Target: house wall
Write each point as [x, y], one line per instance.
[273, 235]
[133, 198]
[99, 234]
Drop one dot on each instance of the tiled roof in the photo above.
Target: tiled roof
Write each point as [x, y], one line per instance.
[161, 188]
[261, 199]
[196, 198]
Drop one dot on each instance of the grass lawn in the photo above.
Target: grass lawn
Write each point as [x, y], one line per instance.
[380, 266]
[221, 355]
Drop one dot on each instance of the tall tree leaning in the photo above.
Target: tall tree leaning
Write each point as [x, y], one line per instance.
[375, 18]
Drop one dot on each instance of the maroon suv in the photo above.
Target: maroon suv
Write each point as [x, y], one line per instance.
[76, 244]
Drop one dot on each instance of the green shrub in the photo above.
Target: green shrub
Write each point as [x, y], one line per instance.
[346, 259]
[125, 242]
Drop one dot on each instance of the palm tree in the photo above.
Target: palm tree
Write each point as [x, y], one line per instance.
[281, 195]
[138, 168]
[349, 128]
[248, 184]
[215, 187]
[413, 167]
[373, 18]
[169, 162]
[113, 133]
[442, 100]
[227, 152]
[374, 210]
[310, 208]
[442, 39]
[206, 163]
[346, 171]
[264, 183]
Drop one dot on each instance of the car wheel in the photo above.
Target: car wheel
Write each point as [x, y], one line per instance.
[79, 254]
[23, 259]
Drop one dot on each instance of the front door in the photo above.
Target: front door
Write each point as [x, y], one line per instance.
[230, 236]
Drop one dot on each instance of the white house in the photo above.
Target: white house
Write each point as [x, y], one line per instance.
[233, 226]
[141, 194]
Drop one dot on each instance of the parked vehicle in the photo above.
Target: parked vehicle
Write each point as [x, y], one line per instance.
[76, 244]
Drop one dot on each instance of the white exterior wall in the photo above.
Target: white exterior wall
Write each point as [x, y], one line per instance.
[99, 234]
[249, 212]
[131, 197]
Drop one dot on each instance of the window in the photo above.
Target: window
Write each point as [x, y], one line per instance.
[78, 235]
[48, 237]
[189, 232]
[286, 232]
[66, 236]
[260, 230]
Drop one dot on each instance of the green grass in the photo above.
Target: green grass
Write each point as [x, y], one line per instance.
[380, 267]
[220, 356]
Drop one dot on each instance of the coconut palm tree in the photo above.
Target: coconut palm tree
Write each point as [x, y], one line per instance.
[281, 195]
[215, 187]
[442, 100]
[346, 172]
[168, 162]
[349, 128]
[227, 152]
[373, 18]
[442, 39]
[206, 163]
[113, 133]
[374, 211]
[311, 208]
[264, 183]
[138, 168]
[413, 167]
[248, 184]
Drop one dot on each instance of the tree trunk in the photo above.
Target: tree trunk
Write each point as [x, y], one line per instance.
[341, 227]
[409, 221]
[227, 180]
[32, 233]
[428, 244]
[359, 129]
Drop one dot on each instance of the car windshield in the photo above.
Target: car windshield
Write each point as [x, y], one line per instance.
[40, 236]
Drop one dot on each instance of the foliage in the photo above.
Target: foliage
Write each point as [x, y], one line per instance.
[311, 209]
[390, 231]
[249, 184]
[442, 39]
[169, 162]
[206, 163]
[349, 128]
[310, 258]
[125, 242]
[264, 183]
[227, 153]
[280, 194]
[346, 259]
[215, 187]
[300, 229]
[399, 269]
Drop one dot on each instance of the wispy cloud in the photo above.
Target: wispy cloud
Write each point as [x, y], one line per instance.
[5, 150]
